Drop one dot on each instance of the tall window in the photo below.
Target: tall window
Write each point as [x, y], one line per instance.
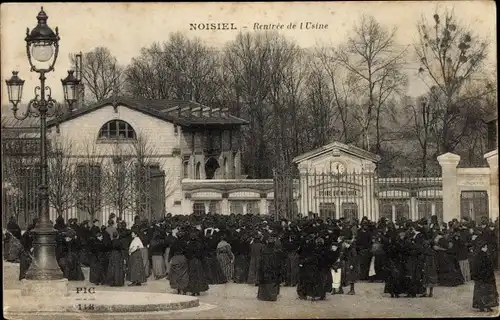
[116, 129]
[214, 207]
[199, 208]
[236, 206]
[198, 171]
[234, 165]
[185, 169]
[253, 207]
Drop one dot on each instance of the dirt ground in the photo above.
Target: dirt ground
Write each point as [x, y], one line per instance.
[239, 301]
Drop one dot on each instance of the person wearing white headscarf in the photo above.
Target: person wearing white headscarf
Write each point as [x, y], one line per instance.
[137, 271]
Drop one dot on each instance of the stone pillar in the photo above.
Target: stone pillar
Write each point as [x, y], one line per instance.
[369, 197]
[413, 209]
[187, 205]
[263, 204]
[303, 185]
[451, 197]
[492, 159]
[225, 205]
[207, 206]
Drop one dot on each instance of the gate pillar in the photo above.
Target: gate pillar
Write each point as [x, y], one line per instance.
[492, 159]
[451, 198]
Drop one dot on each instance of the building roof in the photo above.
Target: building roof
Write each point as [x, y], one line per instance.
[350, 149]
[9, 122]
[184, 113]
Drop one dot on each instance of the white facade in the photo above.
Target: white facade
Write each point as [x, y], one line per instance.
[161, 138]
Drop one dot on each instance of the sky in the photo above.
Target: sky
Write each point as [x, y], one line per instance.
[127, 27]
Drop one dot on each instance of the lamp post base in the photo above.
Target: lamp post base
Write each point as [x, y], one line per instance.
[44, 265]
[45, 289]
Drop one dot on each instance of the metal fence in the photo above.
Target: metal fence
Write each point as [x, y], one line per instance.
[333, 194]
[409, 197]
[87, 194]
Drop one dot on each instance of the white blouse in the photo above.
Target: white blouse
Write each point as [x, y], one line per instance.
[136, 244]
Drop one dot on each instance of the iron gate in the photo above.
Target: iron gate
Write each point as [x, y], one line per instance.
[474, 204]
[333, 194]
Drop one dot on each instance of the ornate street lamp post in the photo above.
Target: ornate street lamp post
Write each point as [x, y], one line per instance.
[42, 49]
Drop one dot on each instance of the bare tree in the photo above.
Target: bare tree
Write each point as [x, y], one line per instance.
[153, 183]
[287, 66]
[343, 86]
[452, 59]
[422, 122]
[319, 114]
[61, 177]
[248, 60]
[101, 74]
[180, 68]
[371, 55]
[118, 174]
[89, 179]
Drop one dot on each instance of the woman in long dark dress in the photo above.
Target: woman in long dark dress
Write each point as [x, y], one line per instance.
[179, 276]
[305, 248]
[213, 269]
[136, 268]
[197, 278]
[70, 262]
[448, 269]
[327, 258]
[157, 248]
[485, 289]
[379, 257]
[311, 283]
[430, 279]
[241, 250]
[394, 284]
[98, 259]
[255, 252]
[116, 269]
[290, 247]
[269, 276]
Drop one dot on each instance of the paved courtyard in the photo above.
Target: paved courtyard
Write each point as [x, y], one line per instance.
[239, 301]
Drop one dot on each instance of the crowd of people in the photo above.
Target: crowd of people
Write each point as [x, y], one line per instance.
[318, 256]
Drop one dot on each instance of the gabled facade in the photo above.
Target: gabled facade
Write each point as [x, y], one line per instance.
[180, 139]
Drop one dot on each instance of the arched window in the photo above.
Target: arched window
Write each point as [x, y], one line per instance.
[210, 167]
[116, 129]
[186, 169]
